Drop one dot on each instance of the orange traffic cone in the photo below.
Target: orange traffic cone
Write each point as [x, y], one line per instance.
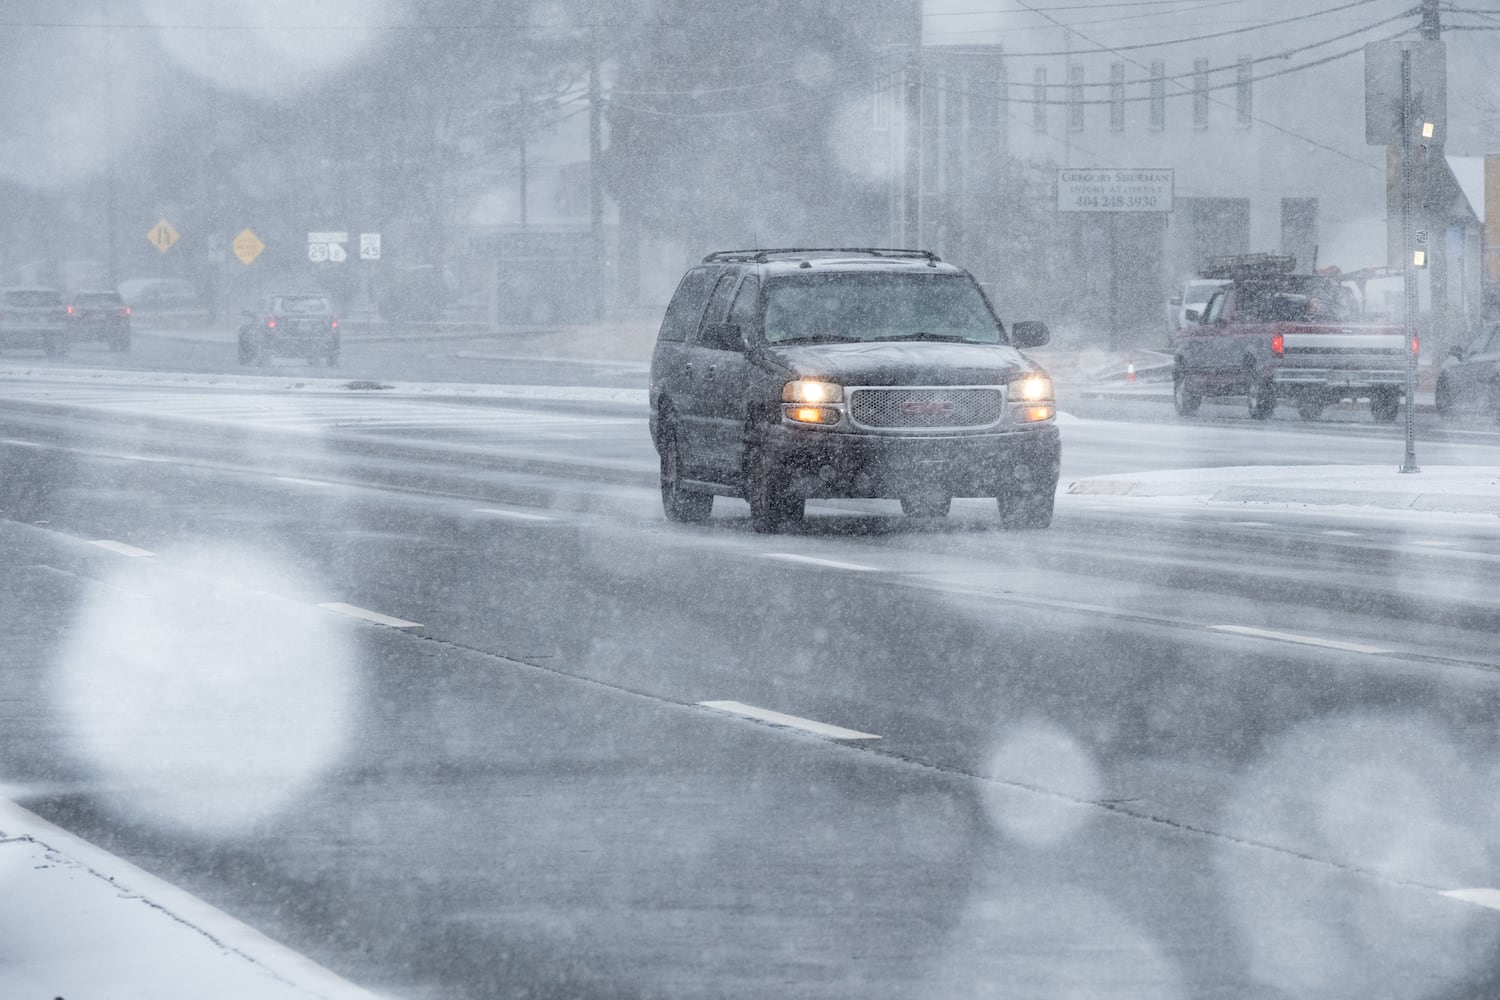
[1130, 370]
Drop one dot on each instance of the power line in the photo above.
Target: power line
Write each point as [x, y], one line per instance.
[1253, 117]
[1191, 4]
[1171, 41]
[1224, 67]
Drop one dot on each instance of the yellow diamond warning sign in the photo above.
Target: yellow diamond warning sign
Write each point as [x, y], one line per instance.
[162, 235]
[247, 246]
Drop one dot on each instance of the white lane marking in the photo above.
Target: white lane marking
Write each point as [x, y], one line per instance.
[1335, 533]
[519, 515]
[1479, 897]
[128, 883]
[301, 482]
[120, 548]
[1302, 640]
[1436, 543]
[368, 615]
[815, 561]
[1252, 524]
[765, 715]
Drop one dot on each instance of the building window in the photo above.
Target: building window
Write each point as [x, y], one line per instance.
[1117, 96]
[1158, 94]
[1200, 93]
[1243, 78]
[1039, 99]
[1075, 98]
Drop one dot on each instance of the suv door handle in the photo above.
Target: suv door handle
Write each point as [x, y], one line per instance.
[711, 370]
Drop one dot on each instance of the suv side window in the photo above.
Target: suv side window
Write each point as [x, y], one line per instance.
[686, 308]
[746, 306]
[718, 302]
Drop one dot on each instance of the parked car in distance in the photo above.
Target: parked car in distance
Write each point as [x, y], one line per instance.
[1469, 382]
[99, 316]
[34, 317]
[781, 376]
[301, 325]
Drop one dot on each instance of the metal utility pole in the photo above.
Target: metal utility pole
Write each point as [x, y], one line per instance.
[1432, 22]
[1408, 268]
[596, 187]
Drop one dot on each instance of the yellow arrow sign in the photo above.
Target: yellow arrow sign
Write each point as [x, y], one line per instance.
[247, 246]
[162, 235]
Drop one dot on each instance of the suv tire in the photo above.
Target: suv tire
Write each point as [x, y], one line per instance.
[1025, 511]
[1186, 396]
[1384, 404]
[679, 504]
[773, 506]
[1260, 394]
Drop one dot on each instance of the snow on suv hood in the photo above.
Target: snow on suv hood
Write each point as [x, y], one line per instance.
[905, 362]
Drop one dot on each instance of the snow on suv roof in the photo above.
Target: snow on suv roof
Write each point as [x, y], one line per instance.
[841, 258]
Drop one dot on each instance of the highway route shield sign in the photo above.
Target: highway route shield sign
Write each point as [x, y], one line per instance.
[162, 235]
[247, 246]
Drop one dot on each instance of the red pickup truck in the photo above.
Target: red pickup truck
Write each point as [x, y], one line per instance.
[1270, 335]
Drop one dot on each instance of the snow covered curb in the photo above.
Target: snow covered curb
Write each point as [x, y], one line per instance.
[1445, 488]
[80, 922]
[300, 384]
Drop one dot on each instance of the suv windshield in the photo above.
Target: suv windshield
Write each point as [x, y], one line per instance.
[878, 306]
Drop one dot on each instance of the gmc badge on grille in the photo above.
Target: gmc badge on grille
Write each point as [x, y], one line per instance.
[926, 408]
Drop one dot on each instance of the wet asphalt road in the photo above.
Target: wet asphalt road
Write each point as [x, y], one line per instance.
[1096, 775]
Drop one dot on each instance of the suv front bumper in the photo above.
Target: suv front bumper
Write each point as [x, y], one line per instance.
[829, 464]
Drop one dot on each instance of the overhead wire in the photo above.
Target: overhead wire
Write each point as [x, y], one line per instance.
[1315, 143]
[1137, 46]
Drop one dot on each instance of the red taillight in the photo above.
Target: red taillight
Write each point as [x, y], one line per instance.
[127, 310]
[1415, 346]
[270, 324]
[1278, 342]
[333, 324]
[70, 310]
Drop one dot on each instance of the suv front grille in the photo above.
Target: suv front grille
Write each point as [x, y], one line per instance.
[926, 407]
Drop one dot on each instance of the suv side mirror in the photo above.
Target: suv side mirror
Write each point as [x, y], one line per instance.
[1029, 333]
[1194, 315]
[723, 337]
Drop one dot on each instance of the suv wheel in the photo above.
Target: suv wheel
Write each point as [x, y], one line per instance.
[1026, 511]
[679, 504]
[1260, 394]
[1384, 405]
[773, 506]
[1186, 396]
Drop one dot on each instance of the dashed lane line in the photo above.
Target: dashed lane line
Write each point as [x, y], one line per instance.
[1479, 897]
[816, 561]
[784, 721]
[120, 548]
[515, 515]
[1301, 640]
[366, 614]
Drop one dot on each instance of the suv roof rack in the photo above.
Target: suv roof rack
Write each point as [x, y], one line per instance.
[761, 256]
[1249, 265]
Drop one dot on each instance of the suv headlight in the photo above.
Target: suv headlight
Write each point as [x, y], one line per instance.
[806, 390]
[1031, 398]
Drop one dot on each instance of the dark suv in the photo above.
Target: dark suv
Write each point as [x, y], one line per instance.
[786, 375]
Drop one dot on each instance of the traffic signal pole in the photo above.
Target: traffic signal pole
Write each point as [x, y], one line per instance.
[1408, 269]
